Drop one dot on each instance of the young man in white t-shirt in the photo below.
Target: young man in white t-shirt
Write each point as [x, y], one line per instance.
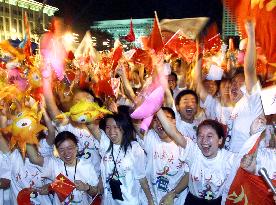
[164, 169]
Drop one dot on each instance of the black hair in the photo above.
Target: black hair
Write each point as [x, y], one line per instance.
[125, 125]
[185, 92]
[65, 135]
[169, 110]
[217, 126]
[175, 75]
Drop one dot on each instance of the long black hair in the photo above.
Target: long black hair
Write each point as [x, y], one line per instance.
[125, 125]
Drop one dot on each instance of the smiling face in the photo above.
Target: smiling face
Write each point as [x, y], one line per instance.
[67, 151]
[208, 141]
[235, 88]
[158, 128]
[187, 107]
[113, 131]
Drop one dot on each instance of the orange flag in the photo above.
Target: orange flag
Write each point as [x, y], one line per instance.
[155, 41]
[62, 186]
[130, 37]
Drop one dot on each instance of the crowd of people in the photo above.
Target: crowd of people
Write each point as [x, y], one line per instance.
[196, 138]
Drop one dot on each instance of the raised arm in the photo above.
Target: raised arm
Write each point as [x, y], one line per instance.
[250, 57]
[33, 155]
[198, 76]
[4, 147]
[94, 130]
[171, 129]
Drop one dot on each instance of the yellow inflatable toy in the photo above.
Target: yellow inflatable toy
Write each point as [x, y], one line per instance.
[84, 112]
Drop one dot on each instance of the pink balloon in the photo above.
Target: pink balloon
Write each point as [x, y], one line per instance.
[151, 104]
[146, 123]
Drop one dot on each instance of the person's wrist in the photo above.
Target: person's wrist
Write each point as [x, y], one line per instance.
[88, 188]
[173, 191]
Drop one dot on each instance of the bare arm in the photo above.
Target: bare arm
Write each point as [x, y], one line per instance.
[145, 186]
[171, 129]
[33, 155]
[198, 76]
[4, 147]
[250, 57]
[94, 130]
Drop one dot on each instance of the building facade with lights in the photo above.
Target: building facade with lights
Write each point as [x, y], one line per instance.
[12, 17]
[119, 28]
[229, 27]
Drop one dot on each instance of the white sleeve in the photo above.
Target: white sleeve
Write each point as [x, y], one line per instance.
[5, 166]
[188, 154]
[93, 177]
[48, 167]
[266, 158]
[149, 140]
[139, 161]
[45, 149]
[254, 100]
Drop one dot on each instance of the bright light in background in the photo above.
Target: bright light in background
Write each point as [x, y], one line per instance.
[70, 40]
[13, 34]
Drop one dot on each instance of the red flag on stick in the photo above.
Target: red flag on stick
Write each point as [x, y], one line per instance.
[185, 48]
[212, 40]
[62, 186]
[130, 37]
[155, 41]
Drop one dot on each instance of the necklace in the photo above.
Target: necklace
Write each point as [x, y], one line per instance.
[71, 198]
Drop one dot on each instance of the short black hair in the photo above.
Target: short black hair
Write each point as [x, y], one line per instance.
[185, 92]
[65, 135]
[175, 75]
[169, 110]
[217, 126]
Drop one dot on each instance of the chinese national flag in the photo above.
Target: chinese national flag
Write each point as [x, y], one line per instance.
[212, 41]
[131, 35]
[62, 186]
[155, 41]
[142, 57]
[185, 48]
[264, 14]
[117, 54]
[23, 197]
[247, 188]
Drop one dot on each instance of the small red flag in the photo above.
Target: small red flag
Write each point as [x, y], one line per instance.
[155, 40]
[185, 48]
[130, 37]
[117, 54]
[212, 40]
[62, 186]
[23, 197]
[142, 57]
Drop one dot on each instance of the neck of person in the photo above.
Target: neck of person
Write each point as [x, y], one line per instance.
[190, 121]
[72, 164]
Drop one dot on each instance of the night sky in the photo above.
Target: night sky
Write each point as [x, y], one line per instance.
[81, 13]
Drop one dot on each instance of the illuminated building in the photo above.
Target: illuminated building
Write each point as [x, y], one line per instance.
[229, 27]
[12, 17]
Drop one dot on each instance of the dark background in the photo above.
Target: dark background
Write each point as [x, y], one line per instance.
[80, 14]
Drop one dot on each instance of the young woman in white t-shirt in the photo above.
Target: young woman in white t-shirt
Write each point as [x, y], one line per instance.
[209, 165]
[123, 168]
[78, 171]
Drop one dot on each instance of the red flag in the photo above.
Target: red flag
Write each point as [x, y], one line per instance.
[185, 48]
[117, 54]
[131, 35]
[142, 57]
[247, 188]
[264, 14]
[62, 186]
[212, 40]
[23, 197]
[155, 41]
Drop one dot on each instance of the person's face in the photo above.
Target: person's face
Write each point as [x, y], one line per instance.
[208, 141]
[187, 108]
[224, 88]
[158, 128]
[67, 151]
[172, 82]
[113, 131]
[211, 87]
[235, 88]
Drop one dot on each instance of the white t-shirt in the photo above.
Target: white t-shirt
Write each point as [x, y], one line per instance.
[207, 176]
[164, 169]
[85, 172]
[266, 158]
[24, 174]
[131, 168]
[214, 110]
[5, 172]
[246, 110]
[87, 144]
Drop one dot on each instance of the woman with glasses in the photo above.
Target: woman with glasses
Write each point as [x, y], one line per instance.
[78, 171]
[123, 166]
